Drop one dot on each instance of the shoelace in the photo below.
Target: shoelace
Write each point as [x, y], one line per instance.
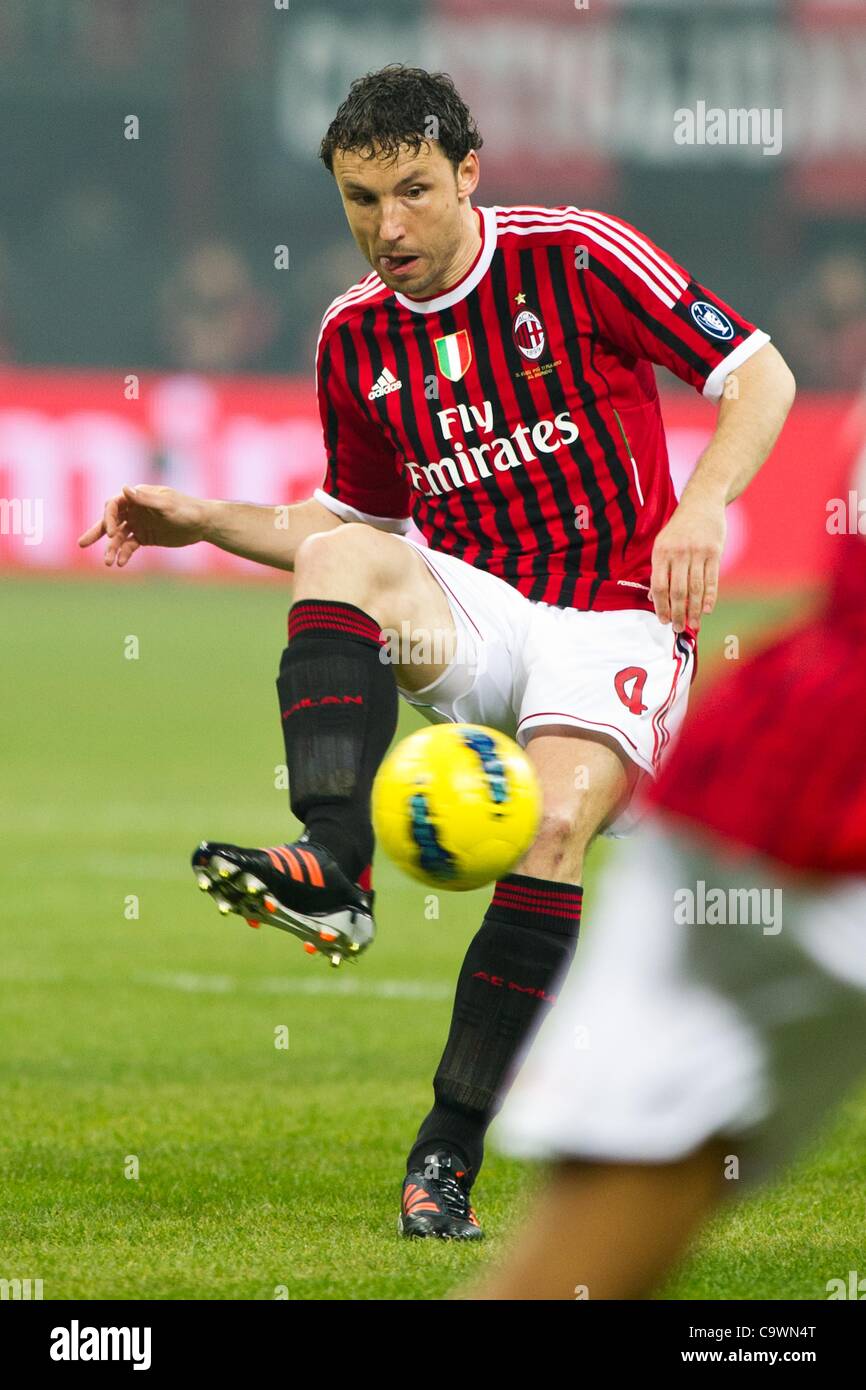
[454, 1197]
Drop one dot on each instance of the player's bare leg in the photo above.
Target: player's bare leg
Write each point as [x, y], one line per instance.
[338, 699]
[602, 1231]
[585, 782]
[511, 974]
[384, 577]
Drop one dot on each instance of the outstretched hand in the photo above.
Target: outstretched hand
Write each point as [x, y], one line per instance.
[146, 515]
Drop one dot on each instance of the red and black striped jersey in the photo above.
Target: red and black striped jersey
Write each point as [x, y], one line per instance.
[515, 417]
[774, 756]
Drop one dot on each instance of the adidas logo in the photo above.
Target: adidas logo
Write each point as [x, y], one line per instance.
[386, 383]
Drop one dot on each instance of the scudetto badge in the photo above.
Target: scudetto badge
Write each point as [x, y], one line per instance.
[453, 354]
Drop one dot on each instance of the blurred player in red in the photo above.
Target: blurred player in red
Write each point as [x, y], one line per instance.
[721, 1008]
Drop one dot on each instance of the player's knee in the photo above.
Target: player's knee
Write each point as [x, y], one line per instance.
[344, 563]
[358, 564]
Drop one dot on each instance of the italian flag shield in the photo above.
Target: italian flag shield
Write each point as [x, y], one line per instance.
[454, 354]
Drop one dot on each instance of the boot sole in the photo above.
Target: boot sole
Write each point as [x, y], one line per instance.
[337, 935]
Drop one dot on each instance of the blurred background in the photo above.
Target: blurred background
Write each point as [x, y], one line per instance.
[166, 218]
[155, 248]
[156, 154]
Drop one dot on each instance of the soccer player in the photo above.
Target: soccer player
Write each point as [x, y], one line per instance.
[696, 1050]
[491, 379]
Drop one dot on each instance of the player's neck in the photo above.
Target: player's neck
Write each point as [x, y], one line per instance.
[467, 253]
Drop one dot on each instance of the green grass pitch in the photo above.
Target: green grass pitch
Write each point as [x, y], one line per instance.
[148, 1040]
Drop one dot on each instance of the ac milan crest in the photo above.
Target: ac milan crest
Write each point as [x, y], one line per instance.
[528, 333]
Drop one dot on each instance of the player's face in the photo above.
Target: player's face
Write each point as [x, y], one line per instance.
[407, 214]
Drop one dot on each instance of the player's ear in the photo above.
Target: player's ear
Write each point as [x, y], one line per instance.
[468, 174]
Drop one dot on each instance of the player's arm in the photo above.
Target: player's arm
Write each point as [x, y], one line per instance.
[688, 550]
[269, 535]
[362, 482]
[650, 306]
[153, 515]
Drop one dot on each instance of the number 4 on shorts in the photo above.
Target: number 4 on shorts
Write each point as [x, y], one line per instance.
[633, 701]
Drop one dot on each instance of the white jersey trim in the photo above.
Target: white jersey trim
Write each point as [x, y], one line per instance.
[577, 224]
[366, 289]
[715, 383]
[356, 291]
[346, 513]
[668, 279]
[356, 296]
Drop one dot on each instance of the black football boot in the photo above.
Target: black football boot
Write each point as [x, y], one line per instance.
[297, 887]
[436, 1201]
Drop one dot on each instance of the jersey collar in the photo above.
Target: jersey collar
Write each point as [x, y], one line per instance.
[473, 276]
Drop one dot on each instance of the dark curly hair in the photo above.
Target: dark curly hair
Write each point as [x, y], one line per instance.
[392, 107]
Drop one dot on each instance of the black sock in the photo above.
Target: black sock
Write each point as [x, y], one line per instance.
[525, 944]
[338, 703]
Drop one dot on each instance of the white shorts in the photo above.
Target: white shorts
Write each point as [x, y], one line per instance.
[668, 1033]
[521, 665]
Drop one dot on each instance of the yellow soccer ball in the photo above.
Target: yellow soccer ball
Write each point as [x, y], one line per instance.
[456, 805]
